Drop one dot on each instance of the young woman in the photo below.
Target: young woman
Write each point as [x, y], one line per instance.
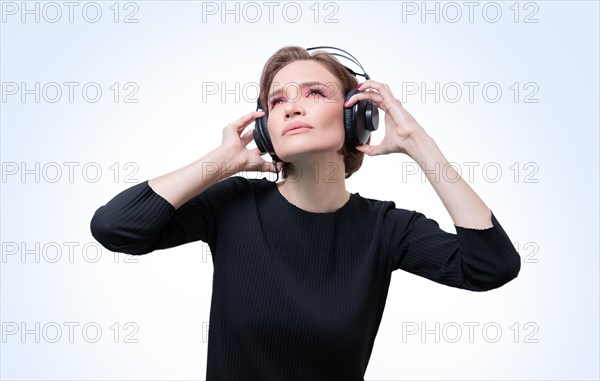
[302, 267]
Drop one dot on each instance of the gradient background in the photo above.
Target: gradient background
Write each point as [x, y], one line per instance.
[147, 317]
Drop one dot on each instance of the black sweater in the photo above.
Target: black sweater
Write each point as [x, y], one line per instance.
[299, 295]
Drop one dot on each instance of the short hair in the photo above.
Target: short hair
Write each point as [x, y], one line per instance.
[353, 158]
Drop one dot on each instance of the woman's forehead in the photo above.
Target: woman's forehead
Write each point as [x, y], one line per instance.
[302, 71]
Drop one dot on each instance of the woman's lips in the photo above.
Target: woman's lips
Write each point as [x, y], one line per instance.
[296, 126]
[296, 131]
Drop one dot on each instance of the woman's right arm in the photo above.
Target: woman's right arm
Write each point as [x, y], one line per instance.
[176, 208]
[179, 186]
[229, 158]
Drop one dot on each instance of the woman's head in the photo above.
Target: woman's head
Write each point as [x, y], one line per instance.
[296, 86]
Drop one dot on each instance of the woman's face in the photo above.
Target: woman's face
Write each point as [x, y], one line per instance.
[304, 92]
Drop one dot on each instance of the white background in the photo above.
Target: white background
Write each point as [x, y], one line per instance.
[177, 51]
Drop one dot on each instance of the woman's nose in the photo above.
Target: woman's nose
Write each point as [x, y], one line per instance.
[293, 108]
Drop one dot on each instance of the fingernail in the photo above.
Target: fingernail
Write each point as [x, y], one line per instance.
[359, 85]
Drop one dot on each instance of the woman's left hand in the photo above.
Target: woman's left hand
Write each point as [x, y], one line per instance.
[400, 125]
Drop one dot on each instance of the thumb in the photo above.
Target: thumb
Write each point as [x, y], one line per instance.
[365, 148]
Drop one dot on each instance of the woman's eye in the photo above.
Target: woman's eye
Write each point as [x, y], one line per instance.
[275, 101]
[317, 91]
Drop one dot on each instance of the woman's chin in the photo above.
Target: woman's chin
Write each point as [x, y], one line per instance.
[306, 153]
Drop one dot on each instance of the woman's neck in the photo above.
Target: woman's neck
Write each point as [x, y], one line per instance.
[317, 186]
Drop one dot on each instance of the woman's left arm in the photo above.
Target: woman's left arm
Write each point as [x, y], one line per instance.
[403, 134]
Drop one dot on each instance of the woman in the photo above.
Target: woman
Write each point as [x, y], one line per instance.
[302, 267]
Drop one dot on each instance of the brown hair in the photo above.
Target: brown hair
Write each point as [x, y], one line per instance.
[352, 157]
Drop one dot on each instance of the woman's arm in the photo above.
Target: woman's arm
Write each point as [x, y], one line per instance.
[229, 158]
[480, 256]
[463, 204]
[404, 135]
[179, 186]
[180, 206]
[472, 259]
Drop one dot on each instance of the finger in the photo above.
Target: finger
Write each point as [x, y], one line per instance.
[245, 120]
[375, 97]
[257, 152]
[247, 137]
[382, 88]
[368, 149]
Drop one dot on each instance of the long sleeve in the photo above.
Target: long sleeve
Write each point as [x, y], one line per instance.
[139, 221]
[471, 259]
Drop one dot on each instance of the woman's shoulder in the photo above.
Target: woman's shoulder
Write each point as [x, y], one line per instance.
[244, 185]
[367, 206]
[227, 192]
[374, 203]
[387, 210]
[251, 183]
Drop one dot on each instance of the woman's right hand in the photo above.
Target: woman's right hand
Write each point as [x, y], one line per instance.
[235, 144]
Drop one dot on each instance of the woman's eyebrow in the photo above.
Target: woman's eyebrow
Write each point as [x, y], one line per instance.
[302, 85]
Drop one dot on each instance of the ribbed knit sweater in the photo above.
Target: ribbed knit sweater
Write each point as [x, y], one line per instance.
[299, 295]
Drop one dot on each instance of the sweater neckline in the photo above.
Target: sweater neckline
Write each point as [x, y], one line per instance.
[306, 212]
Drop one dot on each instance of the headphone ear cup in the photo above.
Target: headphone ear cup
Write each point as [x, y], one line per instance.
[256, 134]
[360, 120]
[262, 138]
[350, 120]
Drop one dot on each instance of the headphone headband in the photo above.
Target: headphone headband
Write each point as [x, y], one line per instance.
[354, 60]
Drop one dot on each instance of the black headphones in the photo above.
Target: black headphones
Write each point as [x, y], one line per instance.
[359, 120]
